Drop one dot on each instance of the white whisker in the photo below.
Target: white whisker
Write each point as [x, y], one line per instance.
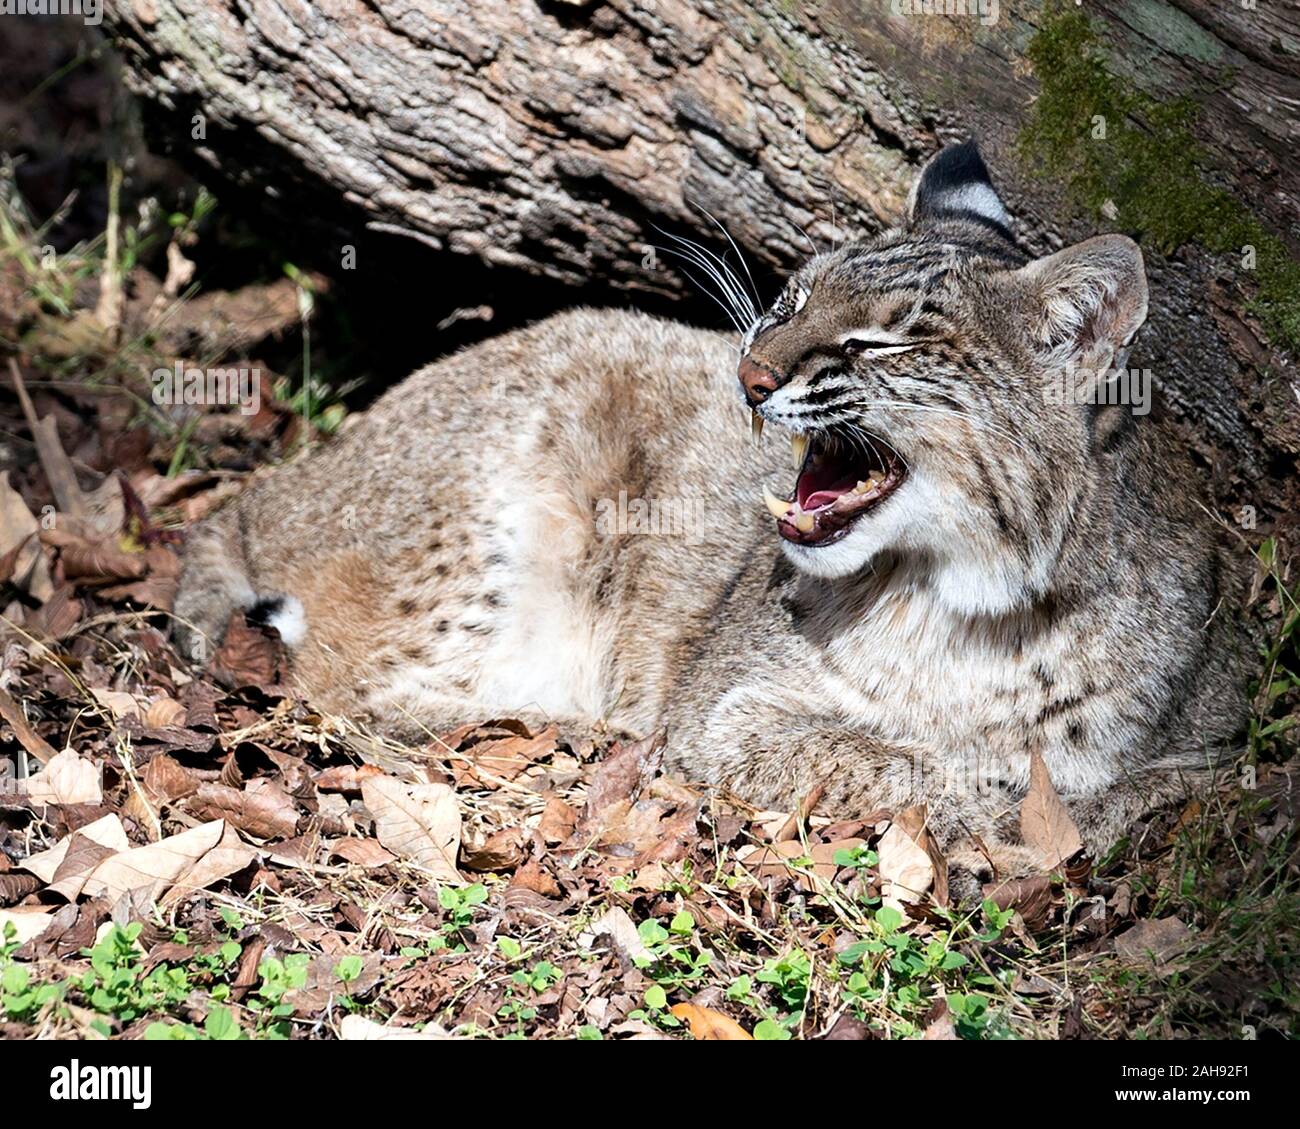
[722, 272]
[753, 287]
[738, 304]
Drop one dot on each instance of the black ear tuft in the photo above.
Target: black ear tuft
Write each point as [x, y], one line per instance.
[955, 184]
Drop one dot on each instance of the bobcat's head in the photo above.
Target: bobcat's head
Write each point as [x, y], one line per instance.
[920, 375]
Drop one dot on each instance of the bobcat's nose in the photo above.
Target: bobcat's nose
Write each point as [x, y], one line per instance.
[758, 381]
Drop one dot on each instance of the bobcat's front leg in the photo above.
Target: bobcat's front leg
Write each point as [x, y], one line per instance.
[774, 756]
[761, 745]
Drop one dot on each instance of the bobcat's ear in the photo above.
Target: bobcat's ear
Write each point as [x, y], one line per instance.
[1086, 303]
[955, 185]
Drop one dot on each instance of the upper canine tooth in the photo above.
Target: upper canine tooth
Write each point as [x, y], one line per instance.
[775, 506]
[755, 426]
[799, 447]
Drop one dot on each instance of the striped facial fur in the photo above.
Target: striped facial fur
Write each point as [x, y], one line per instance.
[913, 375]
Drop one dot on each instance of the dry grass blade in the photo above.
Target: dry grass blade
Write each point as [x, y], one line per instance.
[28, 738]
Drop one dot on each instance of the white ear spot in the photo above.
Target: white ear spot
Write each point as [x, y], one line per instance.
[976, 199]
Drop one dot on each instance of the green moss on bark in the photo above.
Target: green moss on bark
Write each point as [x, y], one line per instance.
[1115, 144]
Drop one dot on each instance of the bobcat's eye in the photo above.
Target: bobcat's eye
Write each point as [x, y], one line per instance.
[789, 304]
[856, 346]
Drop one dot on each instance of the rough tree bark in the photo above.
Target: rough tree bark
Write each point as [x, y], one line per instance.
[555, 136]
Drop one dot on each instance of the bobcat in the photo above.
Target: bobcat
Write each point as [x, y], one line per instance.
[978, 559]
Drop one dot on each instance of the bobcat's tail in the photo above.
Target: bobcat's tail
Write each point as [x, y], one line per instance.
[214, 583]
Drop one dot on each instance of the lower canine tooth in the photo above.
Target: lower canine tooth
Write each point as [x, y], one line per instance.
[804, 522]
[775, 506]
[755, 426]
[798, 448]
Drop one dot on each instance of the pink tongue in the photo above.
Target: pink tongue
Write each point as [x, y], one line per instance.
[821, 498]
[813, 494]
[819, 487]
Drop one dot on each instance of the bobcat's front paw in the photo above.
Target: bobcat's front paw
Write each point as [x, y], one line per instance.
[970, 870]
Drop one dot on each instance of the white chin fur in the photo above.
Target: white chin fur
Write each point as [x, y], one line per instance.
[290, 620]
[885, 527]
[846, 556]
[924, 522]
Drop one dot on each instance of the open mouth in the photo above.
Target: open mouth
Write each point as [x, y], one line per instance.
[839, 483]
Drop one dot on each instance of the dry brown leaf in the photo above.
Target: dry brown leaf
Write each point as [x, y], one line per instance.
[775, 860]
[849, 1029]
[916, 822]
[56, 618]
[101, 510]
[152, 592]
[618, 781]
[155, 866]
[557, 822]
[358, 1027]
[165, 779]
[417, 822]
[705, 1023]
[28, 738]
[1045, 823]
[323, 986]
[1156, 943]
[67, 779]
[30, 568]
[940, 1026]
[489, 763]
[264, 814]
[117, 702]
[1031, 897]
[164, 712]
[615, 924]
[907, 872]
[502, 850]
[770, 862]
[93, 562]
[346, 778]
[108, 832]
[83, 855]
[533, 876]
[823, 861]
[673, 838]
[365, 853]
[229, 856]
[247, 657]
[15, 887]
[29, 922]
